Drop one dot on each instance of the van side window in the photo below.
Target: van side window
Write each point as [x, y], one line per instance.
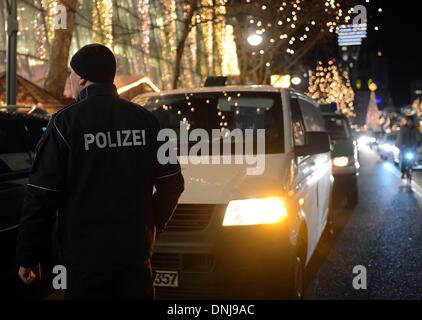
[311, 116]
[297, 125]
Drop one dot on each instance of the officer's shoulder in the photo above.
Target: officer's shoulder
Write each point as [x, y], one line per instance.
[62, 117]
[142, 111]
[63, 112]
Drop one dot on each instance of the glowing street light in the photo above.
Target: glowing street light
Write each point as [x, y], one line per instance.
[255, 40]
[296, 81]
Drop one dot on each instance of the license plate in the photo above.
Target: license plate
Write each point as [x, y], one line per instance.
[166, 278]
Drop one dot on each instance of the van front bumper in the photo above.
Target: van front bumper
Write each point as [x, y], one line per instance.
[338, 172]
[225, 262]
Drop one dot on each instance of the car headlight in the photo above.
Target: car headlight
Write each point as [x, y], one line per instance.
[255, 211]
[341, 161]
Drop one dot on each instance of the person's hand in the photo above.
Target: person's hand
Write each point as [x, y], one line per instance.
[29, 275]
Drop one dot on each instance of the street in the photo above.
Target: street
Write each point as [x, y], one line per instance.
[383, 233]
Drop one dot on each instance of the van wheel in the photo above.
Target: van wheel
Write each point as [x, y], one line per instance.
[331, 223]
[297, 285]
[299, 276]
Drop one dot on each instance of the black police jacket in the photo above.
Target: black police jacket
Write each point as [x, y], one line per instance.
[96, 166]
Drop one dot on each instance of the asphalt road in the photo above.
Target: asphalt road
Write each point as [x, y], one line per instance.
[383, 233]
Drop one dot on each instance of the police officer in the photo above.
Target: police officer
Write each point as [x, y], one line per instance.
[96, 167]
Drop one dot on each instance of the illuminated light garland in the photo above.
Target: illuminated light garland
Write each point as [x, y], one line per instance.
[285, 27]
[40, 36]
[102, 17]
[219, 37]
[327, 84]
[207, 31]
[215, 40]
[137, 83]
[189, 62]
[168, 36]
[50, 6]
[144, 26]
[230, 62]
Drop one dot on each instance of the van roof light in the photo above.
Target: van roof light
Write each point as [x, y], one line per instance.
[216, 81]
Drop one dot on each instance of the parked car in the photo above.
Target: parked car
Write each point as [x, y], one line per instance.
[19, 134]
[344, 157]
[235, 235]
[30, 110]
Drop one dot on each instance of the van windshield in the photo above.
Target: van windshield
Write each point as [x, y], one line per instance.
[222, 110]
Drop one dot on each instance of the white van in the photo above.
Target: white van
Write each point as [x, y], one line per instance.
[240, 233]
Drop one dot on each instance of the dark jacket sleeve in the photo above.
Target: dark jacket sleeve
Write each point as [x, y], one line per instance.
[169, 185]
[45, 186]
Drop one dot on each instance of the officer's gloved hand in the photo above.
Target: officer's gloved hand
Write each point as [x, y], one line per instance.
[29, 275]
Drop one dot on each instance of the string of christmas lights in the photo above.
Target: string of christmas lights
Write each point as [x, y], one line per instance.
[102, 26]
[328, 84]
[213, 46]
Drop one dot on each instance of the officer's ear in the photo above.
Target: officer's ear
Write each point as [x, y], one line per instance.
[82, 82]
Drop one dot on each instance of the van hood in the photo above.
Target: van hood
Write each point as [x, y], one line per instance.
[220, 183]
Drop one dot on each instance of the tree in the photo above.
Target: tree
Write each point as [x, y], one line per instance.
[327, 84]
[373, 115]
[59, 56]
[181, 42]
[205, 18]
[192, 7]
[289, 29]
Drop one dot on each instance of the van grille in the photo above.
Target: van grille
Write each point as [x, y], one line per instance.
[165, 261]
[190, 217]
[191, 265]
[185, 262]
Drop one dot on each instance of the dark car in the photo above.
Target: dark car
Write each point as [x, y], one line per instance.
[344, 157]
[19, 134]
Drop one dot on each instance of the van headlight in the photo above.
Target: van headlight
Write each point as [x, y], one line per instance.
[341, 162]
[255, 211]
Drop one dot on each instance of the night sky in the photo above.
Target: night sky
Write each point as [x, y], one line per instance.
[400, 39]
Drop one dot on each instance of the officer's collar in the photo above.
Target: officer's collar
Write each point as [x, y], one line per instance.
[98, 89]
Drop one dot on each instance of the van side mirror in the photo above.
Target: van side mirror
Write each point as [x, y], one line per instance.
[315, 142]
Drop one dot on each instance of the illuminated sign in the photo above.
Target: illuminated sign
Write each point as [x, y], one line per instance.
[280, 80]
[351, 34]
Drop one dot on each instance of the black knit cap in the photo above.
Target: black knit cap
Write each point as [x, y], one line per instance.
[94, 62]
